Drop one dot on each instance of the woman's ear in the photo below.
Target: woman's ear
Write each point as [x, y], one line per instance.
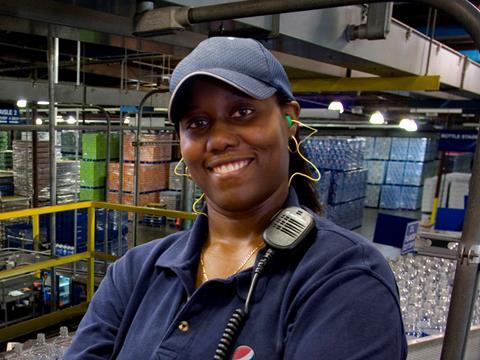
[291, 111]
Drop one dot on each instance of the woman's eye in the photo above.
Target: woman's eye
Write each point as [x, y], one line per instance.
[242, 112]
[197, 123]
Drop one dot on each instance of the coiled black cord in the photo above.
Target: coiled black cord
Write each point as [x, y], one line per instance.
[236, 321]
[229, 334]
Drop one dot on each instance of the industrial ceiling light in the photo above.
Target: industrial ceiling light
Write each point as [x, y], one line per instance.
[377, 118]
[126, 120]
[38, 121]
[21, 103]
[408, 125]
[42, 102]
[71, 120]
[336, 106]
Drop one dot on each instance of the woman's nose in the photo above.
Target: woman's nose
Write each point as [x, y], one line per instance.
[221, 136]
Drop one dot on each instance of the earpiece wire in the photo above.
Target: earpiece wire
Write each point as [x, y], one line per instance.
[297, 145]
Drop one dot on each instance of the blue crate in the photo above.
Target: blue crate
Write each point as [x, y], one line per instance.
[376, 171]
[414, 174]
[399, 149]
[334, 153]
[347, 186]
[395, 172]
[348, 215]
[369, 148]
[390, 196]
[411, 198]
[382, 148]
[372, 196]
[323, 186]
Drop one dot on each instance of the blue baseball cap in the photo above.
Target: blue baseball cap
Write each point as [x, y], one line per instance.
[242, 63]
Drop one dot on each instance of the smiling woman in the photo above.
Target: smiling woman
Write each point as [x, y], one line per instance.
[233, 107]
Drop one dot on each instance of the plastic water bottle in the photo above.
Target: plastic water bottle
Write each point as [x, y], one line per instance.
[17, 353]
[40, 350]
[61, 343]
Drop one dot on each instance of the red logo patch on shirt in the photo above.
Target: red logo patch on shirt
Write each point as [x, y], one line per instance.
[243, 352]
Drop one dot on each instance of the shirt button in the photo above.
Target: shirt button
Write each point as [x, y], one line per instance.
[183, 326]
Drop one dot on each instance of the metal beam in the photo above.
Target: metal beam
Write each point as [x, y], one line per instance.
[87, 25]
[11, 88]
[41, 322]
[367, 84]
[321, 37]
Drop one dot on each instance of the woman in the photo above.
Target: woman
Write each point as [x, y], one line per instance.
[332, 298]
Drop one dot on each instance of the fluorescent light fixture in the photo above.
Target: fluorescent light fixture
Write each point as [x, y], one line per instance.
[21, 103]
[38, 121]
[377, 118]
[126, 120]
[408, 125]
[42, 102]
[71, 120]
[60, 118]
[336, 106]
[436, 110]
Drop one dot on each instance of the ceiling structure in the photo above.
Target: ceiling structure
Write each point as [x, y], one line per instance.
[112, 58]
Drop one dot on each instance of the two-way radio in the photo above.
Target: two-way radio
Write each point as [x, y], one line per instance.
[286, 231]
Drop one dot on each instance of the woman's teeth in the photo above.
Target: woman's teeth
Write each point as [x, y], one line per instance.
[226, 168]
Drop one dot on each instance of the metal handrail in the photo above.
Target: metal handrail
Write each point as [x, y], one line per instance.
[90, 256]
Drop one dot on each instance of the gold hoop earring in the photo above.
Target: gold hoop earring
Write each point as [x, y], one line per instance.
[175, 169]
[297, 144]
[195, 203]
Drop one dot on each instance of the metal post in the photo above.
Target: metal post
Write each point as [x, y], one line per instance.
[52, 54]
[34, 159]
[107, 188]
[436, 198]
[91, 250]
[79, 60]
[137, 157]
[36, 232]
[120, 178]
[466, 275]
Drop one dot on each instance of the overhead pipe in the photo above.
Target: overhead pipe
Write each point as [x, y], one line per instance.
[166, 19]
[161, 20]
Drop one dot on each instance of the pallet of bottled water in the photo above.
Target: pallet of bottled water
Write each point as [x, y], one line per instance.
[335, 153]
[41, 349]
[425, 287]
[323, 186]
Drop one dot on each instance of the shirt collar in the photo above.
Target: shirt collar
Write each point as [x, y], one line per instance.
[184, 252]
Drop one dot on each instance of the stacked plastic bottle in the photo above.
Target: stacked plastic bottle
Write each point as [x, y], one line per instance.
[340, 160]
[425, 285]
[40, 350]
[43, 350]
[399, 166]
[61, 343]
[323, 186]
[17, 353]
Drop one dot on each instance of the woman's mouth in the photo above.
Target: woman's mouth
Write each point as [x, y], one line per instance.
[230, 167]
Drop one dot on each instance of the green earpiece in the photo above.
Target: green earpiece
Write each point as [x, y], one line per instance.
[289, 120]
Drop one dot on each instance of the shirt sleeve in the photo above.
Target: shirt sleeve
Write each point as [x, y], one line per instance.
[95, 336]
[352, 316]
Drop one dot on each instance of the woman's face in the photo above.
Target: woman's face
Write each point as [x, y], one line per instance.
[235, 146]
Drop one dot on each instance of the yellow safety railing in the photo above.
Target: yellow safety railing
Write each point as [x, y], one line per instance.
[90, 255]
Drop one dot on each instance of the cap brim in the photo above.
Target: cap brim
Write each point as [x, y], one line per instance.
[246, 84]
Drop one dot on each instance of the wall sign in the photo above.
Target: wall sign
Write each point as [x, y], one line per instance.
[458, 140]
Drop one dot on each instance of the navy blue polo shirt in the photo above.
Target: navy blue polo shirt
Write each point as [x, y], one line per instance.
[334, 298]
